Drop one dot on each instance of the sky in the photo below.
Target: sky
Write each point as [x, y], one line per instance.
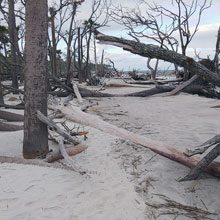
[204, 40]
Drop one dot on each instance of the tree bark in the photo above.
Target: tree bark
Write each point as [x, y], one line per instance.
[35, 132]
[153, 51]
[13, 41]
[1, 92]
[54, 44]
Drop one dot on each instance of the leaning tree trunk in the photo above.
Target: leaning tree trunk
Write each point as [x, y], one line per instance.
[153, 51]
[35, 132]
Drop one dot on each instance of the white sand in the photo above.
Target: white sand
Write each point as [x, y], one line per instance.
[116, 168]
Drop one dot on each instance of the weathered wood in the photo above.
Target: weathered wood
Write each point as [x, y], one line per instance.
[203, 147]
[18, 106]
[150, 92]
[67, 158]
[10, 127]
[77, 93]
[152, 82]
[203, 164]
[76, 115]
[71, 151]
[8, 116]
[182, 86]
[56, 128]
[153, 51]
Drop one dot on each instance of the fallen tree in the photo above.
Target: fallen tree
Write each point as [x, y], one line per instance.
[76, 115]
[10, 127]
[153, 51]
[8, 116]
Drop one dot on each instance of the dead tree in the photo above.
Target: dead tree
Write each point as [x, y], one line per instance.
[148, 26]
[182, 15]
[35, 141]
[13, 36]
[217, 52]
[153, 51]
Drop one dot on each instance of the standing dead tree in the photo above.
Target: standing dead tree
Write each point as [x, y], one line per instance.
[217, 52]
[186, 18]
[148, 26]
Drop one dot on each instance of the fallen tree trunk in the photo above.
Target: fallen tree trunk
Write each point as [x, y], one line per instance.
[18, 106]
[71, 151]
[10, 127]
[76, 115]
[153, 51]
[182, 86]
[192, 89]
[150, 92]
[152, 82]
[8, 116]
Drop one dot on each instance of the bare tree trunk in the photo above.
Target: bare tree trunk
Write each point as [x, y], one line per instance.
[13, 39]
[217, 52]
[70, 39]
[54, 44]
[1, 89]
[80, 74]
[153, 51]
[35, 132]
[95, 56]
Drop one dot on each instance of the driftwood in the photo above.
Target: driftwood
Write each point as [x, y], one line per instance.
[152, 82]
[8, 116]
[150, 92]
[216, 106]
[153, 51]
[77, 93]
[67, 158]
[56, 128]
[71, 151]
[203, 147]
[76, 115]
[18, 106]
[203, 164]
[10, 127]
[83, 91]
[182, 86]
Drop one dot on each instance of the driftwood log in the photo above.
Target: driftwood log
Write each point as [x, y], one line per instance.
[18, 106]
[71, 151]
[153, 51]
[56, 128]
[10, 127]
[8, 116]
[76, 115]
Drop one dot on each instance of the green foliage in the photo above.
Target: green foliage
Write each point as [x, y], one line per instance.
[4, 39]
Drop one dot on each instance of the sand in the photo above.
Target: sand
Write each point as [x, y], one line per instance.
[123, 180]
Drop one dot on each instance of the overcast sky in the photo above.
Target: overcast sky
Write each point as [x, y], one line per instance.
[204, 41]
